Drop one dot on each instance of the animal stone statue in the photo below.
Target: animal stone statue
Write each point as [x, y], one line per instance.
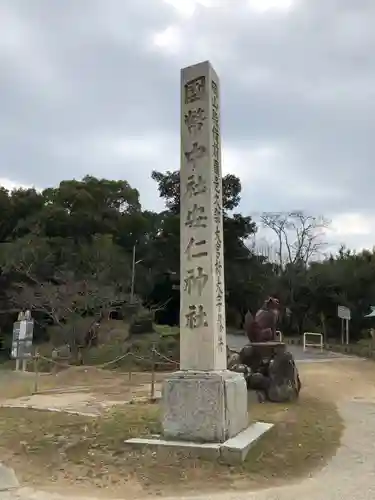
[262, 328]
[267, 366]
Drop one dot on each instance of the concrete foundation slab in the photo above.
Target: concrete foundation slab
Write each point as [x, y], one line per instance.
[8, 478]
[208, 451]
[236, 449]
[232, 452]
[208, 407]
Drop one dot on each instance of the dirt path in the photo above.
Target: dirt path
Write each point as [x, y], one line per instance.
[348, 476]
[81, 402]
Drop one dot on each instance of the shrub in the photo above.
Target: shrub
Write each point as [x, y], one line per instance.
[167, 331]
[142, 322]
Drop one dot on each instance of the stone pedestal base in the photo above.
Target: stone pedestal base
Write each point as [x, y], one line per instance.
[208, 407]
[205, 416]
[232, 452]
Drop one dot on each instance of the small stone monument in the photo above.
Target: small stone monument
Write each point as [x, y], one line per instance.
[204, 405]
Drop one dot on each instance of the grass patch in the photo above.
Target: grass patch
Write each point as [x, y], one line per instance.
[304, 436]
[48, 447]
[362, 349]
[15, 385]
[167, 331]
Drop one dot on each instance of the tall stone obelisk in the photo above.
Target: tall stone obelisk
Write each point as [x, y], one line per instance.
[203, 401]
[202, 306]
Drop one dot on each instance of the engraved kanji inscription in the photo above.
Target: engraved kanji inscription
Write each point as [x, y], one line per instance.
[196, 248]
[217, 215]
[215, 133]
[220, 323]
[195, 217]
[196, 317]
[219, 292]
[215, 150]
[194, 120]
[215, 117]
[215, 95]
[221, 343]
[195, 154]
[195, 185]
[196, 279]
[195, 90]
[217, 169]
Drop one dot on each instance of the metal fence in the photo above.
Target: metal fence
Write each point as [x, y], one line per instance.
[308, 343]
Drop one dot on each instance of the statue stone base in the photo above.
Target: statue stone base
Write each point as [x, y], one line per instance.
[269, 369]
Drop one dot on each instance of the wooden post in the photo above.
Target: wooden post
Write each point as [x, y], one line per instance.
[153, 363]
[36, 371]
[347, 331]
[342, 331]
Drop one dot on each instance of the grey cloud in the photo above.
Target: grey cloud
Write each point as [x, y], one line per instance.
[301, 82]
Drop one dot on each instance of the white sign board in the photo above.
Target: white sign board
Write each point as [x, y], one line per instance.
[343, 312]
[22, 342]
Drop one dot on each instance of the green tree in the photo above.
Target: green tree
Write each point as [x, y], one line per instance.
[245, 274]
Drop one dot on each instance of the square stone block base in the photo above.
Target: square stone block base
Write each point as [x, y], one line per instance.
[232, 452]
[206, 407]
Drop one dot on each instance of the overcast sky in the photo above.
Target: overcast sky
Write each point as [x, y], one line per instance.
[92, 87]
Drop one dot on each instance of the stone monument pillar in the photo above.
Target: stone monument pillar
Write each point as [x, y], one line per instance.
[203, 401]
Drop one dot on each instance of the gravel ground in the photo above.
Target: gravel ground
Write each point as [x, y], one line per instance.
[349, 476]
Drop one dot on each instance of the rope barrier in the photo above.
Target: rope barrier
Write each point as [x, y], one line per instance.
[57, 363]
[67, 365]
[113, 361]
[150, 360]
[140, 357]
[119, 358]
[172, 361]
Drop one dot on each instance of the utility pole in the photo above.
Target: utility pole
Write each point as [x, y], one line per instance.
[134, 263]
[133, 277]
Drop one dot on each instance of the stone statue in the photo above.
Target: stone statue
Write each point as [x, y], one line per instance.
[262, 328]
[268, 368]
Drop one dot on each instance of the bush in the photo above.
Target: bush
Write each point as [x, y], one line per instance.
[167, 331]
[167, 352]
[141, 326]
[143, 322]
[129, 311]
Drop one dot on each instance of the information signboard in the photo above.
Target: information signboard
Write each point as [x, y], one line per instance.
[343, 312]
[22, 342]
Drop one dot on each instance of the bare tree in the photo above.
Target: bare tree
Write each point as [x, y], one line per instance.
[72, 301]
[63, 298]
[300, 237]
[75, 307]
